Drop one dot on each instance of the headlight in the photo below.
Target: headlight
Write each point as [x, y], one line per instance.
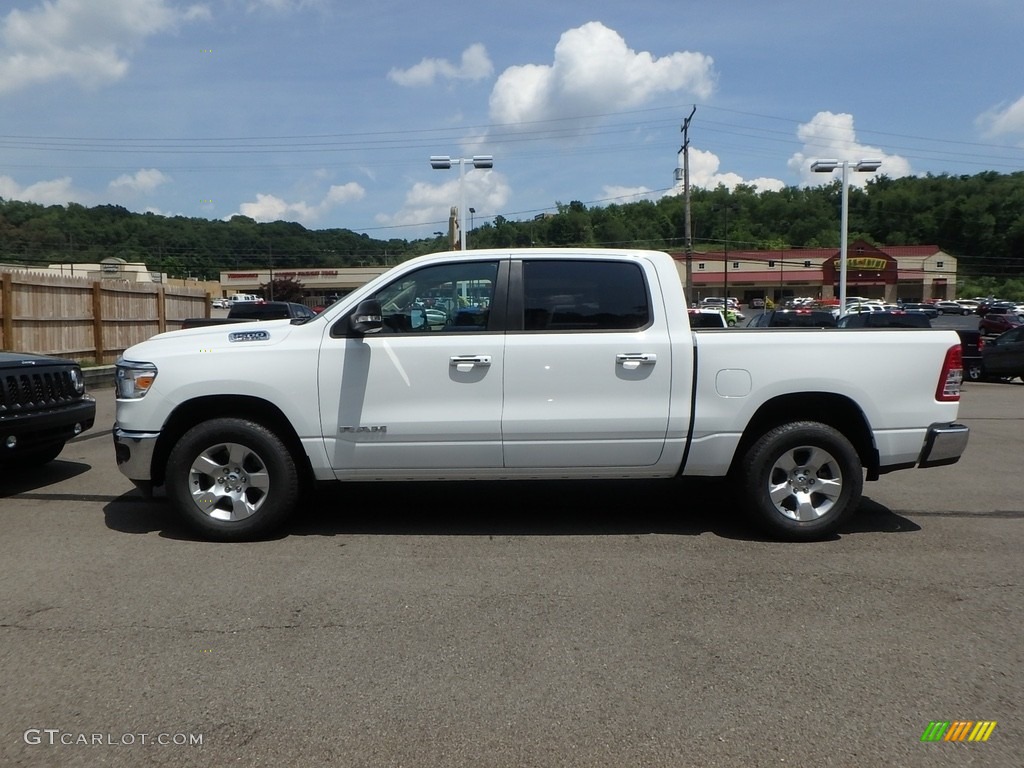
[77, 381]
[133, 380]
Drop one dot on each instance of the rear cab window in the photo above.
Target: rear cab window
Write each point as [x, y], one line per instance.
[561, 296]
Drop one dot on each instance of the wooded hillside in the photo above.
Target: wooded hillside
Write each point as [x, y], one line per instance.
[979, 219]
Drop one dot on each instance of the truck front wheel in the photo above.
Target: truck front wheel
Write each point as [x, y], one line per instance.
[232, 479]
[800, 481]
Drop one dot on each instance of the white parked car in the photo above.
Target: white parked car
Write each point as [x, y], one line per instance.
[867, 306]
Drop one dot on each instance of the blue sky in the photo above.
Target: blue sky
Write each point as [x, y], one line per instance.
[326, 113]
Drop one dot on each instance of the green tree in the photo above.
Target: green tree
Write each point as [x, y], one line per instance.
[282, 289]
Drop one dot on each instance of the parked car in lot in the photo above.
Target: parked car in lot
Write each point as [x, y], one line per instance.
[994, 323]
[995, 307]
[793, 318]
[853, 308]
[716, 302]
[249, 311]
[971, 345]
[1003, 356]
[927, 310]
[706, 318]
[43, 404]
[730, 308]
[889, 319]
[951, 308]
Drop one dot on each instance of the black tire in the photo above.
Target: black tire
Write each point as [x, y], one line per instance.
[800, 481]
[232, 480]
[974, 373]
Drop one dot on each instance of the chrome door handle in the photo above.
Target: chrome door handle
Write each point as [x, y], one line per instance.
[465, 362]
[638, 358]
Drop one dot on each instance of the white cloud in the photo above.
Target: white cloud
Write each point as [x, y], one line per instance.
[82, 40]
[144, 180]
[339, 194]
[1002, 120]
[594, 72]
[486, 190]
[475, 65]
[53, 192]
[273, 208]
[284, 5]
[704, 174]
[622, 195]
[832, 136]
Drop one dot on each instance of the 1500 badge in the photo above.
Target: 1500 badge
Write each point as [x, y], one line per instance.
[249, 336]
[346, 430]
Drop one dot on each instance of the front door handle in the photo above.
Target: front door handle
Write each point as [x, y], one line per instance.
[634, 359]
[464, 363]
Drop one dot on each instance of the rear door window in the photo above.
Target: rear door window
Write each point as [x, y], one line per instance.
[581, 295]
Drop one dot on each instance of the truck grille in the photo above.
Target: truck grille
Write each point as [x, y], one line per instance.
[35, 390]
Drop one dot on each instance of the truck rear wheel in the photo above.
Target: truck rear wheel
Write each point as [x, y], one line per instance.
[800, 481]
[232, 479]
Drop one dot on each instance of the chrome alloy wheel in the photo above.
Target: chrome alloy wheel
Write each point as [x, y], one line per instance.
[805, 482]
[228, 481]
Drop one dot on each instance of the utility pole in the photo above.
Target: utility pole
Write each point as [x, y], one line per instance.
[685, 149]
[270, 282]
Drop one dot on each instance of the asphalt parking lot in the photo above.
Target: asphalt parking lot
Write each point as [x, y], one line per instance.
[583, 624]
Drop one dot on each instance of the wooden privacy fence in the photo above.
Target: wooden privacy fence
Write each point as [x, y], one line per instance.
[89, 320]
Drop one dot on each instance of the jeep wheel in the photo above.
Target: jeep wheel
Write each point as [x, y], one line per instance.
[800, 481]
[232, 479]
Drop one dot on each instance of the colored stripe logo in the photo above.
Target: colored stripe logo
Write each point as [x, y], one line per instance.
[958, 730]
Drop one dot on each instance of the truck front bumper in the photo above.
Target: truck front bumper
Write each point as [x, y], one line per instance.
[134, 454]
[944, 444]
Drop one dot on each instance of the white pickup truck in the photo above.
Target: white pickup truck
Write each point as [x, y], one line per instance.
[527, 364]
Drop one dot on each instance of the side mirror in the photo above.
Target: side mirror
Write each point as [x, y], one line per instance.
[417, 317]
[367, 318]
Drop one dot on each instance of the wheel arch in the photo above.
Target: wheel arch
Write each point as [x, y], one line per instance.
[192, 412]
[837, 411]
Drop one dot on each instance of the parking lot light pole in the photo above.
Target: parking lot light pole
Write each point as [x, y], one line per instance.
[828, 166]
[443, 163]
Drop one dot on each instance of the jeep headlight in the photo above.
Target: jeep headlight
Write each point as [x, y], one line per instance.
[133, 380]
[77, 381]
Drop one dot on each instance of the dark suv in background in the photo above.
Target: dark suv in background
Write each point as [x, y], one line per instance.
[793, 318]
[1004, 356]
[885, 320]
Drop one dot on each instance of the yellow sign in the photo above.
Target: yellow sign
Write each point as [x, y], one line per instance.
[866, 262]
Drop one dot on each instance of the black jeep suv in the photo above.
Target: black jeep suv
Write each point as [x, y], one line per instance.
[42, 405]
